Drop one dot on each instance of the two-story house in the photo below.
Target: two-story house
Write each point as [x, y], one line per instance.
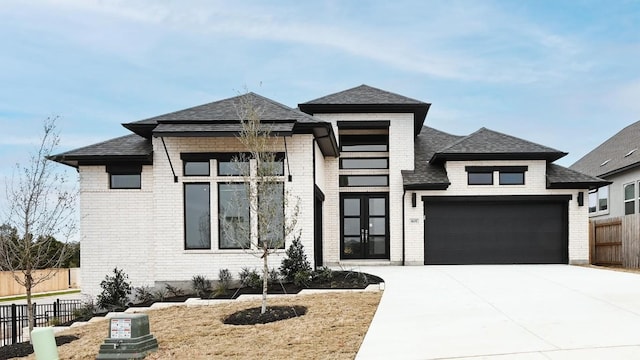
[373, 183]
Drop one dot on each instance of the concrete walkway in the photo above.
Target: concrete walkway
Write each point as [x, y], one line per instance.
[531, 312]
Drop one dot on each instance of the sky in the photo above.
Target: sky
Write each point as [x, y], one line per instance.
[565, 74]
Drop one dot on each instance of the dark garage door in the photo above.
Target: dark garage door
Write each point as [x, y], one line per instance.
[495, 230]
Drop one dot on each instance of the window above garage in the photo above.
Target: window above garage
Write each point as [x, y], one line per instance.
[507, 175]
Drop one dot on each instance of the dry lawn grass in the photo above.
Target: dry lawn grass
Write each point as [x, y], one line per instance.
[333, 328]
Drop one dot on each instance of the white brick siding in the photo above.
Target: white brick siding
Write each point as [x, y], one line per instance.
[142, 231]
[401, 157]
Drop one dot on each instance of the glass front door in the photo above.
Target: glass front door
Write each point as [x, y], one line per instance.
[365, 226]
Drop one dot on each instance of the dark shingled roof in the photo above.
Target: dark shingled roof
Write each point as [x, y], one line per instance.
[227, 110]
[125, 148]
[611, 156]
[426, 175]
[431, 175]
[367, 99]
[486, 144]
[363, 95]
[560, 177]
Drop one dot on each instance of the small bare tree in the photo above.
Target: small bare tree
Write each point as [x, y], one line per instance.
[40, 205]
[260, 196]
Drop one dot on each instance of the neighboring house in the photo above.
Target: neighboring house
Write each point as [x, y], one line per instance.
[375, 186]
[618, 161]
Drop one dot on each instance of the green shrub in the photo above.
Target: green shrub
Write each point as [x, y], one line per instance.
[302, 278]
[201, 286]
[143, 294]
[323, 275]
[250, 278]
[86, 310]
[274, 276]
[173, 290]
[160, 294]
[115, 291]
[224, 281]
[295, 261]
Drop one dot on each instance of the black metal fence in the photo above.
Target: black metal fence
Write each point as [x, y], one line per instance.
[13, 318]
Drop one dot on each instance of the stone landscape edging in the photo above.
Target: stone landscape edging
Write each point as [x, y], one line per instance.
[190, 302]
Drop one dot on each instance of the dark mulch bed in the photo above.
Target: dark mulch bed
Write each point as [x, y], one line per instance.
[25, 348]
[253, 316]
[339, 280]
[167, 299]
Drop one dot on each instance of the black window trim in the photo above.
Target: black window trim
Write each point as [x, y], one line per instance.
[184, 216]
[184, 167]
[511, 172]
[360, 186]
[469, 173]
[364, 158]
[219, 184]
[222, 157]
[364, 138]
[283, 215]
[124, 169]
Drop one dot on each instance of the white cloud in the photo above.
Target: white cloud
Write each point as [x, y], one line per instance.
[457, 40]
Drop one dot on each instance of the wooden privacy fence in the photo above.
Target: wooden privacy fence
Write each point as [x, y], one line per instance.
[61, 279]
[615, 241]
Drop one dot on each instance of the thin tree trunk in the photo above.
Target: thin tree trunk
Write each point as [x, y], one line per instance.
[265, 279]
[27, 285]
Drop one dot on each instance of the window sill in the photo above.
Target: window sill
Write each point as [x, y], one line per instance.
[225, 252]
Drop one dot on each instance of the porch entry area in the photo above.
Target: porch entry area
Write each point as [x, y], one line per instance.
[364, 228]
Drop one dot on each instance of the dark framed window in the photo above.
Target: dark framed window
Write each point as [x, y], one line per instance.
[364, 163]
[234, 223]
[511, 178]
[271, 205]
[364, 180]
[480, 178]
[599, 200]
[233, 168]
[272, 168]
[196, 168]
[364, 143]
[125, 176]
[629, 199]
[197, 216]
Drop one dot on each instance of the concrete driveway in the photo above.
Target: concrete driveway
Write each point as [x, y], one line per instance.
[505, 312]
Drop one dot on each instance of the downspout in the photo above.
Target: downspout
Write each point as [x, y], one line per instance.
[404, 193]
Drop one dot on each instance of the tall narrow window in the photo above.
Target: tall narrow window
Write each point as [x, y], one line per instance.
[271, 215]
[629, 199]
[593, 201]
[603, 198]
[197, 218]
[233, 208]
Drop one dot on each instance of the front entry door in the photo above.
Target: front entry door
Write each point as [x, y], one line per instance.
[364, 228]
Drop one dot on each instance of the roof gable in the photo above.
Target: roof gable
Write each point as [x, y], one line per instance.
[615, 155]
[486, 144]
[363, 95]
[226, 110]
[367, 99]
